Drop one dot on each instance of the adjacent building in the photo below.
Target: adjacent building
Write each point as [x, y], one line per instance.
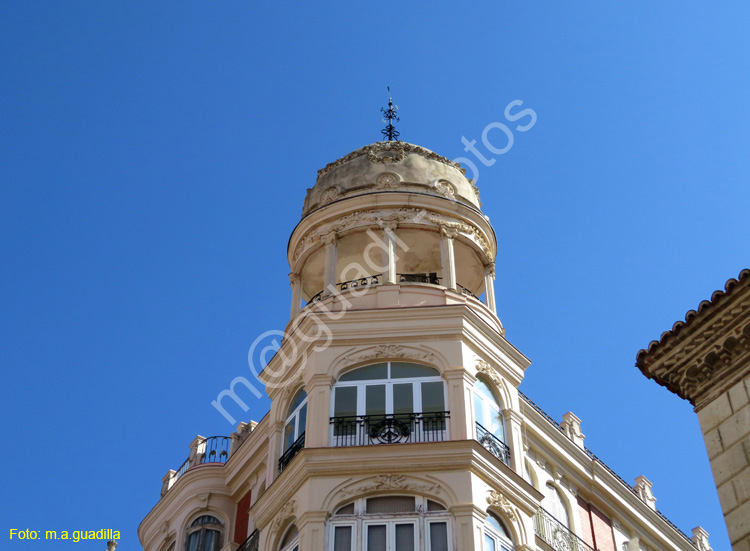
[396, 422]
[706, 360]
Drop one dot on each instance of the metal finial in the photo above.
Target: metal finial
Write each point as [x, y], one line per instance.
[389, 132]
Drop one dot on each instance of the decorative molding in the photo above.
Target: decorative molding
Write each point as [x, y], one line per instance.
[643, 490]
[571, 427]
[329, 196]
[475, 189]
[374, 151]
[391, 482]
[445, 188]
[386, 351]
[490, 372]
[286, 511]
[499, 501]
[700, 539]
[387, 180]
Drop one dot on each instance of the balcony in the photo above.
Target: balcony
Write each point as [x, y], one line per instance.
[251, 543]
[556, 534]
[493, 444]
[403, 428]
[293, 450]
[214, 449]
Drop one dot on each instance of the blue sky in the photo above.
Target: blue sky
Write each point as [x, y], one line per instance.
[154, 160]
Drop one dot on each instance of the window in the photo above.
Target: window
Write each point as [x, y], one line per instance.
[290, 541]
[553, 503]
[390, 523]
[490, 424]
[389, 402]
[204, 534]
[496, 535]
[294, 429]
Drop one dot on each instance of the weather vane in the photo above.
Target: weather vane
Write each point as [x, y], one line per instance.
[389, 114]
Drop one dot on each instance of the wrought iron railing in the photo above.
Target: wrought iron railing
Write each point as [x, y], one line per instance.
[251, 543]
[493, 444]
[367, 281]
[432, 278]
[293, 450]
[556, 534]
[465, 291]
[217, 449]
[366, 430]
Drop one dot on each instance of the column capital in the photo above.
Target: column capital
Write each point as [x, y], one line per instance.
[489, 269]
[457, 373]
[294, 278]
[320, 379]
[448, 233]
[330, 237]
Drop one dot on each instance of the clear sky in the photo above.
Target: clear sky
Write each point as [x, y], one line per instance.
[154, 158]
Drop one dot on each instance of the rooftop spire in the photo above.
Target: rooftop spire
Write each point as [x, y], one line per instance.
[389, 114]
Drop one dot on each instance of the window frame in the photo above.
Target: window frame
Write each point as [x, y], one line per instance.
[487, 408]
[503, 542]
[294, 416]
[201, 529]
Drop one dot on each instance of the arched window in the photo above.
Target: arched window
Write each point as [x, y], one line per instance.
[294, 429]
[496, 535]
[392, 523]
[389, 402]
[490, 421]
[553, 503]
[205, 534]
[290, 541]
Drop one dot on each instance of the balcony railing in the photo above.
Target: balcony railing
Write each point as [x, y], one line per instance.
[214, 449]
[366, 430]
[493, 444]
[251, 543]
[431, 277]
[556, 534]
[367, 281]
[293, 450]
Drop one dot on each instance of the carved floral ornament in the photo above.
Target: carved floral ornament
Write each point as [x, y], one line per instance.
[286, 511]
[392, 482]
[389, 351]
[369, 218]
[488, 371]
[500, 502]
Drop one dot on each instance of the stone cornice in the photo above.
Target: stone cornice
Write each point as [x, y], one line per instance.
[704, 355]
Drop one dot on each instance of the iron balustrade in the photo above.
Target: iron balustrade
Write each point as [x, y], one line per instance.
[465, 291]
[361, 282]
[401, 428]
[419, 278]
[293, 450]
[556, 534]
[251, 543]
[493, 444]
[216, 449]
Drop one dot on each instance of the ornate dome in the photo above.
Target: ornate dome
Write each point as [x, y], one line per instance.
[391, 166]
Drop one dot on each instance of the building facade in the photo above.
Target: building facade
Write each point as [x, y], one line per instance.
[396, 422]
[706, 360]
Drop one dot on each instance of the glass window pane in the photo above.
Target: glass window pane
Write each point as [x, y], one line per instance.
[404, 537]
[302, 421]
[298, 399]
[433, 397]
[212, 541]
[345, 404]
[493, 521]
[479, 410]
[403, 398]
[375, 400]
[481, 387]
[367, 373]
[376, 537]
[193, 541]
[289, 433]
[342, 538]
[489, 543]
[391, 504]
[346, 510]
[438, 536]
[403, 370]
[434, 506]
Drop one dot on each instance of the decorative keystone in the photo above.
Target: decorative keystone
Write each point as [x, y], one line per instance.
[571, 426]
[643, 489]
[700, 539]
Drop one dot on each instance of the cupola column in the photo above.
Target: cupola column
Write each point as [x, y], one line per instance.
[390, 251]
[296, 282]
[447, 256]
[489, 287]
[329, 286]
